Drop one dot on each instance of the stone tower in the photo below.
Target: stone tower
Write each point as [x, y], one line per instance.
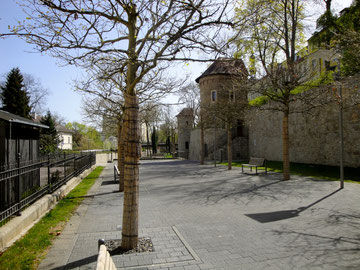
[219, 85]
[185, 120]
[216, 83]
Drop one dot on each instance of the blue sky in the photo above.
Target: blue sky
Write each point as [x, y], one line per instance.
[14, 52]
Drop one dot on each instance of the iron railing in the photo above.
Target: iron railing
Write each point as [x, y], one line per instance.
[25, 183]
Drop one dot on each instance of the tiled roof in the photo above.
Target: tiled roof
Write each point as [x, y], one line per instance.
[225, 66]
[186, 112]
[63, 129]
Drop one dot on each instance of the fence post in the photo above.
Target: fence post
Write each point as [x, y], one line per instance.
[75, 172]
[49, 179]
[18, 195]
[64, 165]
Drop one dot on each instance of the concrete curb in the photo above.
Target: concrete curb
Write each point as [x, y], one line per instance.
[18, 226]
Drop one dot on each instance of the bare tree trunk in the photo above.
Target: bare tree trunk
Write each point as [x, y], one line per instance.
[202, 154]
[120, 155]
[285, 138]
[131, 183]
[229, 142]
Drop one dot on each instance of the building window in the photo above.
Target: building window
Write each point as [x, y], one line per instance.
[187, 145]
[231, 96]
[213, 95]
[69, 140]
[313, 64]
[187, 123]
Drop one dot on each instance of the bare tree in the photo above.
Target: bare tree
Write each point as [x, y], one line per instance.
[36, 92]
[189, 95]
[229, 109]
[169, 129]
[131, 37]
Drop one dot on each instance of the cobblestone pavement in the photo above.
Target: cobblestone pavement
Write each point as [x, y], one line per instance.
[205, 217]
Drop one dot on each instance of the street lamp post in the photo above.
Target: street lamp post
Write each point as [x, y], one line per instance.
[341, 124]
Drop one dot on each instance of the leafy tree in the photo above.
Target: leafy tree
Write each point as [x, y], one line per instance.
[85, 137]
[350, 47]
[79, 130]
[273, 33]
[348, 38]
[49, 139]
[341, 34]
[14, 97]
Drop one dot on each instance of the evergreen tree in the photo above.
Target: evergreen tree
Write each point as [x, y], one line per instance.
[14, 98]
[154, 140]
[48, 138]
[168, 144]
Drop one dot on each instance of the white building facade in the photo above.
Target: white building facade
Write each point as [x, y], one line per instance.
[65, 138]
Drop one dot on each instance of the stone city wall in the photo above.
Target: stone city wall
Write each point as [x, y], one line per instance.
[314, 139]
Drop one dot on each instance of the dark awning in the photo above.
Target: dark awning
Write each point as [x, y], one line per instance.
[13, 118]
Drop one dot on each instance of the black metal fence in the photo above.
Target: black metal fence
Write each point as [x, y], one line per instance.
[23, 183]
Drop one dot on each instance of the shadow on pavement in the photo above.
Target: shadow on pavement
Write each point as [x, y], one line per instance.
[330, 243]
[93, 195]
[77, 263]
[285, 214]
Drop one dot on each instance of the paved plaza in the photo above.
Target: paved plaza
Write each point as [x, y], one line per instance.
[206, 217]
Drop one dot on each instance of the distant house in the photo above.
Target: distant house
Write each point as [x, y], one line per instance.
[65, 138]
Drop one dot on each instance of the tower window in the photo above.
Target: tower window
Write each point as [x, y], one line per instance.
[213, 95]
[231, 96]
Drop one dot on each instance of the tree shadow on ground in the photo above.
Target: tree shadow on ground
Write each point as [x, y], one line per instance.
[93, 195]
[78, 263]
[219, 186]
[284, 214]
[332, 242]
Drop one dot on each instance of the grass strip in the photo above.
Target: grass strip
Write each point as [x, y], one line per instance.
[311, 170]
[27, 252]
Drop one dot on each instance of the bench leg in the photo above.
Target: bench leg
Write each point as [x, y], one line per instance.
[250, 169]
[266, 170]
[242, 169]
[256, 170]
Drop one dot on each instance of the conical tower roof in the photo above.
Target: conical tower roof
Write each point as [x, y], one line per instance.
[226, 66]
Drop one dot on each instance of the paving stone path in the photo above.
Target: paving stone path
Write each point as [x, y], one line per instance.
[205, 217]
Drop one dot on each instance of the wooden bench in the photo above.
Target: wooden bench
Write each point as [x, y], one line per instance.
[104, 260]
[255, 162]
[116, 174]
